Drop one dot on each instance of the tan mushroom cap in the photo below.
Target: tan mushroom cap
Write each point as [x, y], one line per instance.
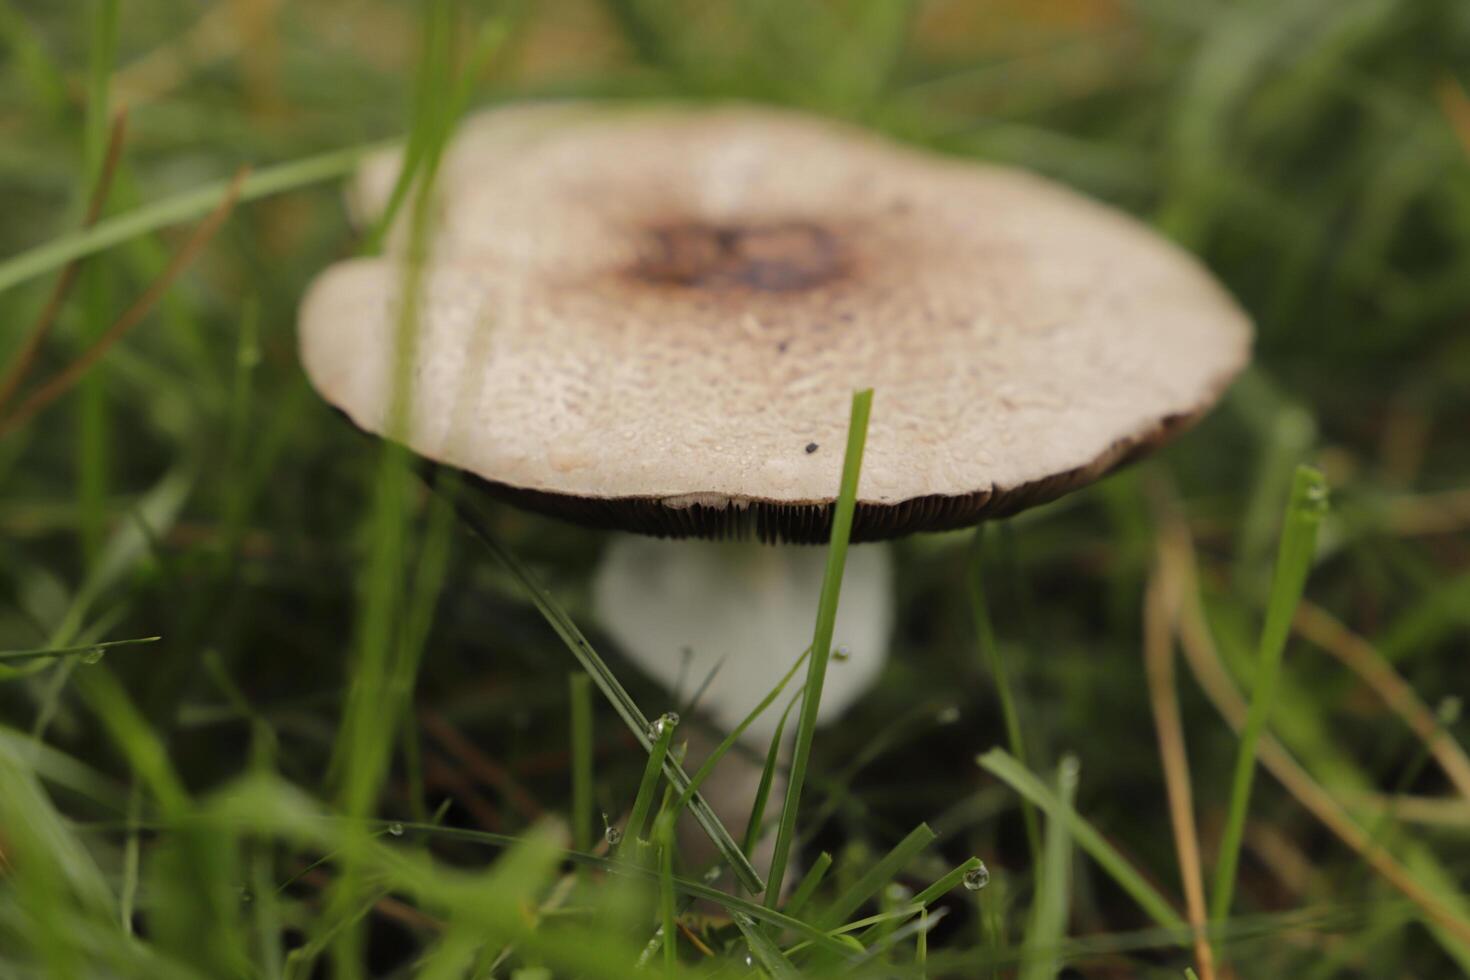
[655, 320]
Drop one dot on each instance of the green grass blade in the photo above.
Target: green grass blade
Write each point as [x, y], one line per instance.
[852, 464]
[643, 802]
[995, 662]
[948, 883]
[102, 19]
[663, 835]
[85, 649]
[803, 892]
[611, 688]
[1304, 513]
[27, 50]
[929, 895]
[58, 768]
[880, 873]
[1048, 925]
[93, 442]
[1004, 767]
[755, 826]
[180, 208]
[434, 123]
[708, 766]
[921, 944]
[771, 959]
[134, 738]
[579, 694]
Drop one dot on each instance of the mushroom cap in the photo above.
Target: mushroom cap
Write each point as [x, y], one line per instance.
[653, 320]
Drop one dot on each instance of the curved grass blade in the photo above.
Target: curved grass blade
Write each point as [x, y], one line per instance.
[1003, 766]
[608, 683]
[879, 874]
[924, 898]
[708, 766]
[178, 209]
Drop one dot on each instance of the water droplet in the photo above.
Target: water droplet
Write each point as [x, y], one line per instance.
[662, 723]
[1069, 770]
[948, 715]
[1316, 498]
[614, 835]
[749, 961]
[93, 656]
[842, 653]
[713, 875]
[246, 896]
[897, 894]
[977, 877]
[395, 829]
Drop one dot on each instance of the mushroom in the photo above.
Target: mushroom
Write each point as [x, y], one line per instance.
[652, 320]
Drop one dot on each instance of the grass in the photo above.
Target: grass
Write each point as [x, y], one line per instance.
[328, 736]
[1304, 514]
[821, 648]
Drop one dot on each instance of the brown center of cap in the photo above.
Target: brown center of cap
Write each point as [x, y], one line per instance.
[781, 257]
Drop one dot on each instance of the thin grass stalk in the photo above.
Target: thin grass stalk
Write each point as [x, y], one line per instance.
[1048, 926]
[24, 357]
[857, 433]
[1161, 613]
[608, 683]
[708, 766]
[810, 882]
[175, 210]
[65, 379]
[756, 825]
[1304, 514]
[663, 835]
[579, 694]
[1005, 767]
[1323, 629]
[93, 442]
[665, 728]
[995, 662]
[878, 874]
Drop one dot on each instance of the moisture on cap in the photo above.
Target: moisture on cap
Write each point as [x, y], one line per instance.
[654, 320]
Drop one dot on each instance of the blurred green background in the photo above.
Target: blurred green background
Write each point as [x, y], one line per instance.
[1314, 153]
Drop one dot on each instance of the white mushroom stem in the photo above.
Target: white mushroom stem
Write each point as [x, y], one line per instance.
[732, 618]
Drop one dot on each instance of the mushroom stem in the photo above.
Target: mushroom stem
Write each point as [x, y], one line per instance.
[719, 624]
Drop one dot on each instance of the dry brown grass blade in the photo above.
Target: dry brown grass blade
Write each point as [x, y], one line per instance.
[1444, 512]
[1434, 811]
[1160, 614]
[64, 380]
[25, 356]
[1358, 655]
[694, 939]
[1204, 661]
[439, 774]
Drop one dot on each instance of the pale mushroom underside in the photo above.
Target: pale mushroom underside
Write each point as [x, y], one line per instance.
[655, 321]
